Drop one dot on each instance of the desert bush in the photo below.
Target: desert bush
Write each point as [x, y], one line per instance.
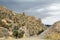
[17, 33]
[20, 34]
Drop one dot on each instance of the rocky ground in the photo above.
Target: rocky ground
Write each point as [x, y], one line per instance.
[30, 38]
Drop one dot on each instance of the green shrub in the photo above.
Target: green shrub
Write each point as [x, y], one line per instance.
[18, 34]
[15, 33]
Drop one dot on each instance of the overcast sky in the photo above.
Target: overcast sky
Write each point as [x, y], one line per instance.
[48, 10]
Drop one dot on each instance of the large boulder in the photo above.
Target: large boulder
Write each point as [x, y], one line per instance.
[4, 32]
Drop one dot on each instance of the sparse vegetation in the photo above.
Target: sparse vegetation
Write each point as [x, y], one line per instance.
[14, 21]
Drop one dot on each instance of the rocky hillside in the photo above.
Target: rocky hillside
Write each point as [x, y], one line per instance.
[19, 24]
[53, 32]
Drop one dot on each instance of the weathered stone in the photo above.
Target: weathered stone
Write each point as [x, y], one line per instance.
[3, 32]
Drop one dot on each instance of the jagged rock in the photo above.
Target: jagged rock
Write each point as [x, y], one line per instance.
[53, 32]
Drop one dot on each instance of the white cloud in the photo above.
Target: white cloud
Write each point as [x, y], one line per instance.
[54, 6]
[51, 20]
[54, 13]
[40, 10]
[54, 9]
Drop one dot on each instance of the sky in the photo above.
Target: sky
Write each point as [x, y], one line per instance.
[47, 10]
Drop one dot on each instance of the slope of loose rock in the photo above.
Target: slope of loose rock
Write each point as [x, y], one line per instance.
[20, 24]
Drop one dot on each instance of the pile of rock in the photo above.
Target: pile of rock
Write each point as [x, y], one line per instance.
[20, 24]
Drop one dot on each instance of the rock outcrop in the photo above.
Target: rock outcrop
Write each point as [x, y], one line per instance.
[16, 23]
[53, 32]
